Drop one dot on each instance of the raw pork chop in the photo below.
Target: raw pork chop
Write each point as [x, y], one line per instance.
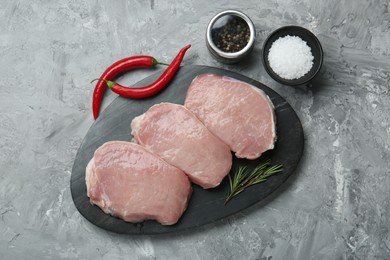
[127, 181]
[177, 135]
[240, 114]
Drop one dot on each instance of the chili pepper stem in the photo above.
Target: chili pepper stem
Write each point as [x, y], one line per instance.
[156, 62]
[109, 83]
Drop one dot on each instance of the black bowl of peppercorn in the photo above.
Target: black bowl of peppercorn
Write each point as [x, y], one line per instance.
[230, 36]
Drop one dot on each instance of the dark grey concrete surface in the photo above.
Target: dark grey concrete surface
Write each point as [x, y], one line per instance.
[336, 206]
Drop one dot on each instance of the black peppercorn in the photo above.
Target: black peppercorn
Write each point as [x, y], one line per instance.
[233, 36]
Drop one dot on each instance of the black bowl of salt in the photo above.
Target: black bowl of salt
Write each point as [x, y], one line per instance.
[292, 55]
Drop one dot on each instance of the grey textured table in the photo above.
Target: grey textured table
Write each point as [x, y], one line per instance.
[335, 207]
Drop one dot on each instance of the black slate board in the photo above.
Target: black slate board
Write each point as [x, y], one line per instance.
[205, 205]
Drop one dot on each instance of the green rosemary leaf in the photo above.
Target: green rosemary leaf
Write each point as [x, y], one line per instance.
[230, 182]
[241, 173]
[241, 179]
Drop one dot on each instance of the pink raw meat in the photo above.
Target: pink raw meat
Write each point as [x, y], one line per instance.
[174, 133]
[127, 181]
[240, 114]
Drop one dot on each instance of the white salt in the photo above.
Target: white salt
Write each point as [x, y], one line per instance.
[290, 57]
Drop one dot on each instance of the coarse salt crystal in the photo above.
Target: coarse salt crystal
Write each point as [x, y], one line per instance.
[290, 57]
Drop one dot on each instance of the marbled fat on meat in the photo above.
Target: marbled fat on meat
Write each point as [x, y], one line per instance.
[174, 133]
[127, 181]
[240, 114]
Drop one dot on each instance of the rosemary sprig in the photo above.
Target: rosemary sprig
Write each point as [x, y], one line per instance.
[241, 180]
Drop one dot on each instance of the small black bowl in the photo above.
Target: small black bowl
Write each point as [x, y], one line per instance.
[311, 41]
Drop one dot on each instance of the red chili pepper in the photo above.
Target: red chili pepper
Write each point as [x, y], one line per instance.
[153, 88]
[114, 70]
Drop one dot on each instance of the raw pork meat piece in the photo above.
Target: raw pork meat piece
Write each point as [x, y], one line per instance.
[127, 181]
[176, 135]
[240, 114]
